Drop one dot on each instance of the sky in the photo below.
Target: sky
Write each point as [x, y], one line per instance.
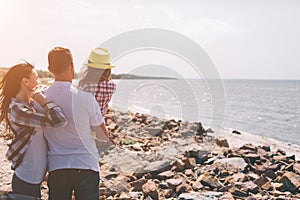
[249, 39]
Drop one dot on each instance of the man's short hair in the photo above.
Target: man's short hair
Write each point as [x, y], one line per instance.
[59, 60]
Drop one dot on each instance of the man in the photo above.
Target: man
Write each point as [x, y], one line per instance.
[73, 159]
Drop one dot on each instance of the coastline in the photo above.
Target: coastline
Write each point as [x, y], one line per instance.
[236, 141]
[171, 159]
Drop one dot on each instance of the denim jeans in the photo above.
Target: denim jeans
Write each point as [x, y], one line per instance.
[84, 183]
[21, 187]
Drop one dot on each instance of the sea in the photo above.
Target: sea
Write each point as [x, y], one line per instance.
[269, 108]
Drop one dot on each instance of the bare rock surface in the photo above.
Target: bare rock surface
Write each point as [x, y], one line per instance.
[172, 159]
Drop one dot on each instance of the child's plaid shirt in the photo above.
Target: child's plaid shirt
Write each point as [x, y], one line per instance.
[102, 91]
[23, 120]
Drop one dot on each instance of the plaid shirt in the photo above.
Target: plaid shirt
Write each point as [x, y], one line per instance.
[23, 120]
[102, 91]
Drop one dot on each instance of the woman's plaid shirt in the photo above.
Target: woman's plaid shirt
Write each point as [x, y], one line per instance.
[102, 91]
[23, 120]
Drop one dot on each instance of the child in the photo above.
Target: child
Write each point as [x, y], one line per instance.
[96, 78]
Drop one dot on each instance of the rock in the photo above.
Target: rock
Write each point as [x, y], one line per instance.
[222, 169]
[171, 124]
[252, 176]
[262, 153]
[209, 130]
[184, 187]
[249, 147]
[252, 157]
[240, 177]
[235, 161]
[158, 166]
[267, 186]
[150, 189]
[211, 160]
[136, 195]
[180, 164]
[124, 196]
[190, 162]
[189, 172]
[237, 192]
[116, 185]
[280, 151]
[173, 183]
[166, 193]
[200, 129]
[210, 181]
[266, 148]
[112, 126]
[165, 175]
[137, 185]
[200, 155]
[280, 158]
[221, 141]
[163, 185]
[4, 197]
[274, 167]
[249, 186]
[296, 168]
[261, 180]
[291, 181]
[260, 169]
[278, 186]
[236, 132]
[154, 131]
[290, 167]
[197, 186]
[187, 134]
[271, 174]
[200, 196]
[227, 196]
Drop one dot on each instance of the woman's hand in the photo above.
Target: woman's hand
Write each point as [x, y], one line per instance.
[39, 96]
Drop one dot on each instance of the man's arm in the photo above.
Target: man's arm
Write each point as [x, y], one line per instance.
[101, 132]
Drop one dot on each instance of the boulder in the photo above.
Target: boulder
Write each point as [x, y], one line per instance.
[249, 147]
[137, 185]
[184, 187]
[240, 177]
[237, 192]
[165, 175]
[261, 180]
[210, 181]
[150, 189]
[296, 168]
[249, 186]
[291, 181]
[236, 132]
[197, 186]
[252, 157]
[173, 183]
[116, 185]
[222, 142]
[235, 161]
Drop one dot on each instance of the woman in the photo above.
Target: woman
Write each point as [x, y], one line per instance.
[28, 150]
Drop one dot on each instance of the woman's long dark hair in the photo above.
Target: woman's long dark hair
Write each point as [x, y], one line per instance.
[10, 85]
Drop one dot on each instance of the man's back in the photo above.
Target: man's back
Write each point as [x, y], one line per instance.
[73, 146]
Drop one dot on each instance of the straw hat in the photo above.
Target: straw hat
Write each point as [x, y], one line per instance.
[99, 58]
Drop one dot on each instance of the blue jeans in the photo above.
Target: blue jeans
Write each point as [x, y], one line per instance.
[21, 187]
[84, 183]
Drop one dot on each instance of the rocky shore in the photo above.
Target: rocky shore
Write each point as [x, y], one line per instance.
[170, 159]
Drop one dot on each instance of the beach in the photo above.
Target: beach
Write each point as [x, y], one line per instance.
[172, 159]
